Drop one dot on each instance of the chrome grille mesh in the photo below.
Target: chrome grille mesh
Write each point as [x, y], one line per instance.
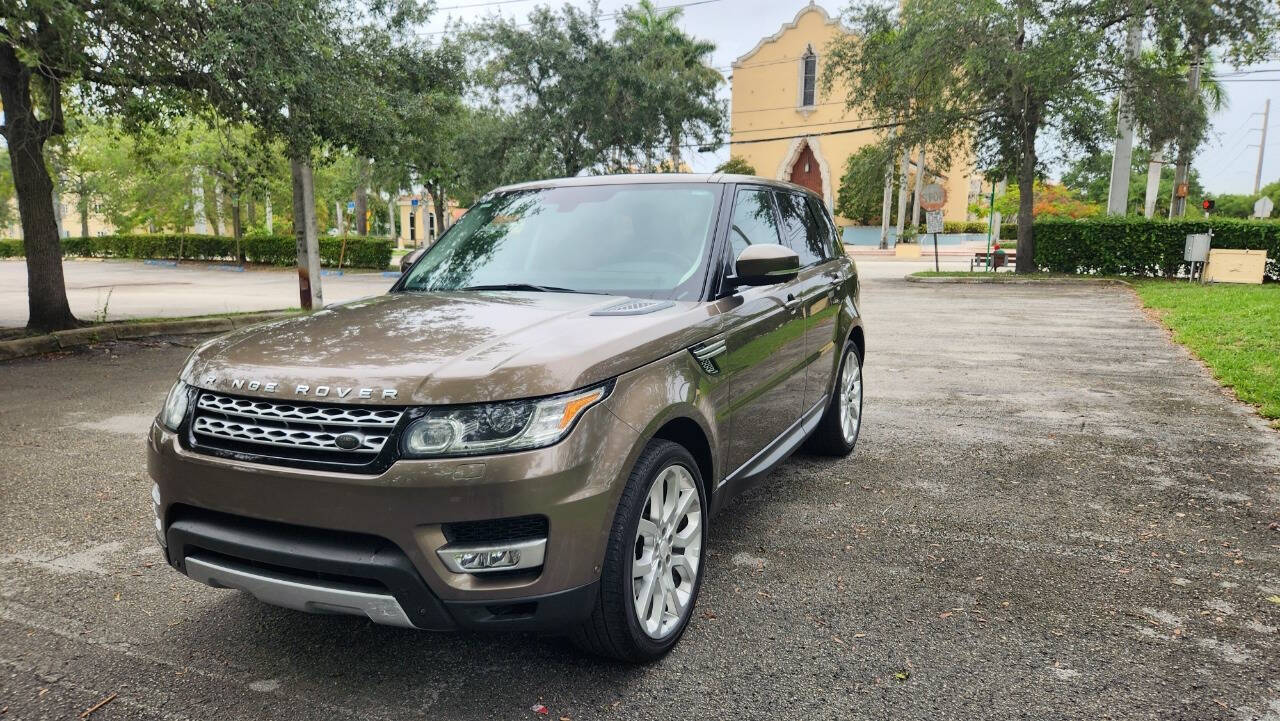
[297, 431]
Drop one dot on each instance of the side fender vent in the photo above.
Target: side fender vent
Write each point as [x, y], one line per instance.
[705, 353]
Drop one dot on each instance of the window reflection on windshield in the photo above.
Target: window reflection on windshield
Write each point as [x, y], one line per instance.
[647, 240]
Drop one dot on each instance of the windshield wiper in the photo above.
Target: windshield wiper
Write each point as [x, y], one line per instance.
[526, 286]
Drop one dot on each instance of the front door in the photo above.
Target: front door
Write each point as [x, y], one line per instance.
[816, 288]
[765, 351]
[805, 170]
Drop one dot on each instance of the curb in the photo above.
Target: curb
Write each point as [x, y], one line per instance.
[989, 280]
[76, 337]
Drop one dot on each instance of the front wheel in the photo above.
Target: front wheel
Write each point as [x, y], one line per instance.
[837, 432]
[653, 563]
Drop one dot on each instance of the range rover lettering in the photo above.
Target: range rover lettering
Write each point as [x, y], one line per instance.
[534, 427]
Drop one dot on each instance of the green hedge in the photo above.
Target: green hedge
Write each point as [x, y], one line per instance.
[1137, 246]
[1008, 231]
[270, 250]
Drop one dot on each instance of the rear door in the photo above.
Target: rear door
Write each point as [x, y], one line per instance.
[816, 289]
[765, 351]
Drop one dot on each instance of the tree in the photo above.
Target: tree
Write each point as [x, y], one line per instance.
[737, 165]
[578, 101]
[1185, 34]
[996, 73]
[1049, 201]
[861, 194]
[1090, 174]
[126, 56]
[668, 74]
[337, 74]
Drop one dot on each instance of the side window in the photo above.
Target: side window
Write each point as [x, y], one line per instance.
[799, 232]
[753, 222]
[833, 247]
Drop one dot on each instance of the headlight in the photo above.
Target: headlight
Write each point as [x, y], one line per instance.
[175, 406]
[497, 427]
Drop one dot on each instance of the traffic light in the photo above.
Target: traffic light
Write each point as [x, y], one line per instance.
[1207, 204]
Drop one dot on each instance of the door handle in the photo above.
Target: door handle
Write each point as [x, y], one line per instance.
[792, 302]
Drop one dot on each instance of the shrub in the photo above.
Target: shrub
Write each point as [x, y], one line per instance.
[266, 249]
[1137, 246]
[1008, 231]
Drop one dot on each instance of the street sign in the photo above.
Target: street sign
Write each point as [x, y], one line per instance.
[415, 202]
[932, 219]
[351, 206]
[1263, 208]
[933, 197]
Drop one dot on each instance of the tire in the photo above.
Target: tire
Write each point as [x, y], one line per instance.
[615, 628]
[830, 438]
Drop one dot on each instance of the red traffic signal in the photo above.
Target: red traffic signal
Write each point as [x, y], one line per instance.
[1207, 204]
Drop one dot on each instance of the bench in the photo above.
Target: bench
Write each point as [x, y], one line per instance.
[985, 260]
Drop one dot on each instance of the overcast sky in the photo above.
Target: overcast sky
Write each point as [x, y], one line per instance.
[1226, 165]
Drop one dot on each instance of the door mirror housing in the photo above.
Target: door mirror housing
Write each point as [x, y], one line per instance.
[765, 264]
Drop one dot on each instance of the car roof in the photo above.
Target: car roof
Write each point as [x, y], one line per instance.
[647, 178]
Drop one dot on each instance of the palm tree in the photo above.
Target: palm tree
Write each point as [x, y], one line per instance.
[674, 67]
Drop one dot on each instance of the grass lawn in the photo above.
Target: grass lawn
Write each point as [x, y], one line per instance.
[1235, 329]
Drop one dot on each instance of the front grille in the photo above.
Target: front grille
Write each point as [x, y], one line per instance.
[498, 530]
[333, 434]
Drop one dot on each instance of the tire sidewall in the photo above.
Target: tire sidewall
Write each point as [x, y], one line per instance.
[674, 454]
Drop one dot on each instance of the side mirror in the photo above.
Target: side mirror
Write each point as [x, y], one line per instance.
[765, 264]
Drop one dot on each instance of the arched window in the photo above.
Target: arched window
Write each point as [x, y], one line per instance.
[808, 78]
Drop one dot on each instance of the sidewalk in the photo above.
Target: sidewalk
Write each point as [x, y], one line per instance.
[123, 290]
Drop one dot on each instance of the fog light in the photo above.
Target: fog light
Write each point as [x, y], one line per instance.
[479, 561]
[495, 557]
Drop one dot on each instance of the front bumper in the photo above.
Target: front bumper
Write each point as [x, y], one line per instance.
[287, 534]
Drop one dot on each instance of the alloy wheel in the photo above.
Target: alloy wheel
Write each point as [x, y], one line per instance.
[851, 397]
[668, 550]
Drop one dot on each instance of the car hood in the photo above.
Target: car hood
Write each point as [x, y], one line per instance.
[439, 348]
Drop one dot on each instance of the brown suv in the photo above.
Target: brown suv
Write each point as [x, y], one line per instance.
[533, 427]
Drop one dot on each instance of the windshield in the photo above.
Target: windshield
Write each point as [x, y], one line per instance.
[646, 240]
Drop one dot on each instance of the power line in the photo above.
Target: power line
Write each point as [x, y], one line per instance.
[599, 16]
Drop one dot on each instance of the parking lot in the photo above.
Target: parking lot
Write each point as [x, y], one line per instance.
[1053, 512]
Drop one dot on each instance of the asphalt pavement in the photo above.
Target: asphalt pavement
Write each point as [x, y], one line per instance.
[1053, 513]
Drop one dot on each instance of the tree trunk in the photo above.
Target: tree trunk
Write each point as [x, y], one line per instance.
[237, 230]
[1026, 258]
[82, 204]
[437, 206]
[362, 196]
[212, 213]
[392, 219]
[305, 232]
[675, 150]
[251, 212]
[25, 136]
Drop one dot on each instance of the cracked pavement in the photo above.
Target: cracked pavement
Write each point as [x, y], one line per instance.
[1053, 512]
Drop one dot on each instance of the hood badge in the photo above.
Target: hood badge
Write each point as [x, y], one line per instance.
[306, 391]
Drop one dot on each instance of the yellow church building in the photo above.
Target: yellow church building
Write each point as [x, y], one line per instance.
[786, 127]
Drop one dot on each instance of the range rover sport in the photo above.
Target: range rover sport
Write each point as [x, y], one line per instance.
[532, 429]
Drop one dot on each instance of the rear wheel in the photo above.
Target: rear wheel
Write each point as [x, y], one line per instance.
[837, 432]
[653, 563]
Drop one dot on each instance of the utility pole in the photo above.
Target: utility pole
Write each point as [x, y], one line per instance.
[1154, 168]
[1122, 158]
[1262, 145]
[1178, 204]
